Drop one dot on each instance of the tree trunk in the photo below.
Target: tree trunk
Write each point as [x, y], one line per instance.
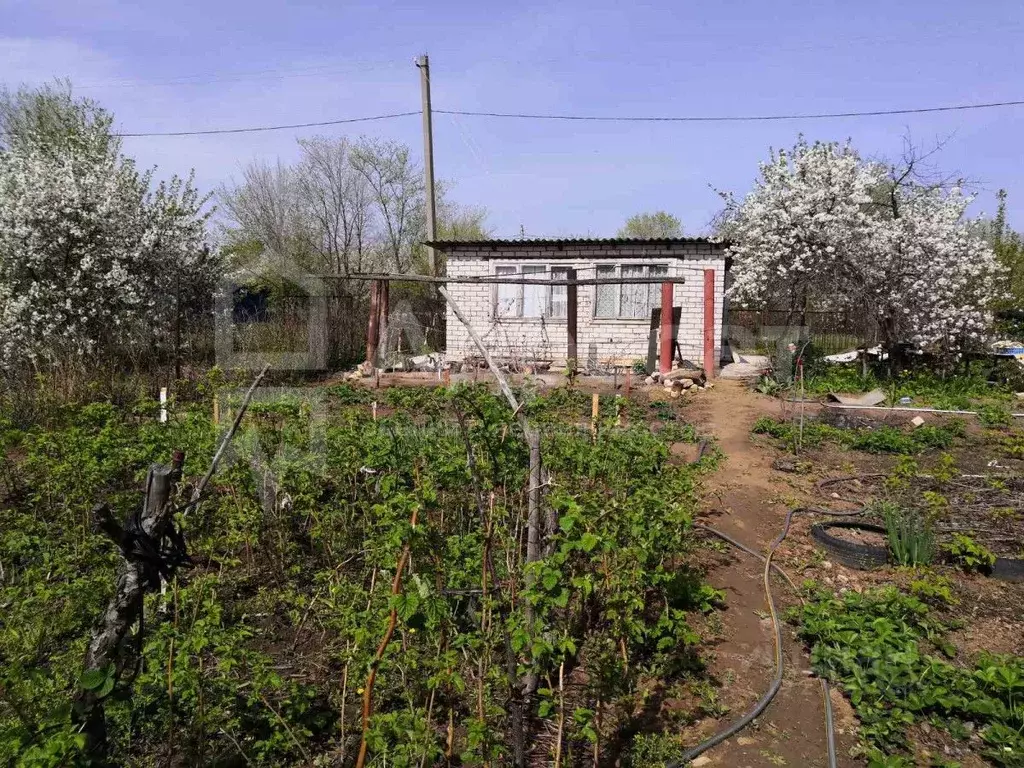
[104, 653]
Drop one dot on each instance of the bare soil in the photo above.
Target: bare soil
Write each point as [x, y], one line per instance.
[749, 500]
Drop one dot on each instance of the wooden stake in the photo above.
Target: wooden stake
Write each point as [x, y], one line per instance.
[396, 588]
[216, 410]
[163, 405]
[594, 407]
[561, 714]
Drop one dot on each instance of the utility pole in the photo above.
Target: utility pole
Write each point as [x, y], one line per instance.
[423, 63]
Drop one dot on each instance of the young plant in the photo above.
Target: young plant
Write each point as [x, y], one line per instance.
[964, 551]
[911, 539]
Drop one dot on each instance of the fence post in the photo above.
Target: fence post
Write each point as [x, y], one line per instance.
[372, 329]
[709, 323]
[571, 295]
[666, 327]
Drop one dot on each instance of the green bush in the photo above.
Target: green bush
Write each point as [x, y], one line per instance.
[262, 647]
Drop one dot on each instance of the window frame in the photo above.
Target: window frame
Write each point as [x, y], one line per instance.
[546, 270]
[620, 287]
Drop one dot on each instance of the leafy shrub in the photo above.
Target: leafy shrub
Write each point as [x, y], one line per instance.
[768, 385]
[994, 416]
[654, 750]
[294, 557]
[933, 589]
[970, 555]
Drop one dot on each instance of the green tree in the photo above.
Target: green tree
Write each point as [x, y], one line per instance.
[652, 226]
[1009, 248]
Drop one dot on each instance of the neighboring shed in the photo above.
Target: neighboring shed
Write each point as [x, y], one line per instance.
[528, 322]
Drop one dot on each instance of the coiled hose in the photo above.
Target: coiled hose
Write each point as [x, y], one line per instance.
[738, 725]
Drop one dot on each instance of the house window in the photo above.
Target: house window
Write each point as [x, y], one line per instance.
[559, 293]
[628, 300]
[510, 296]
[518, 300]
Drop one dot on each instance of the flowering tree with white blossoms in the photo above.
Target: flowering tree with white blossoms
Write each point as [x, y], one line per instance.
[824, 228]
[93, 258]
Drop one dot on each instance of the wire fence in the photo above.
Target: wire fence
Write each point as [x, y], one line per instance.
[830, 332]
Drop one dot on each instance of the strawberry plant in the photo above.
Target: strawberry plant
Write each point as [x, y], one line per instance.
[883, 649]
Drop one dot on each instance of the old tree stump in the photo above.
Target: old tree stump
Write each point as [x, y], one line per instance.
[152, 549]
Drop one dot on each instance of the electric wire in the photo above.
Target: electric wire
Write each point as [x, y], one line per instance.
[734, 118]
[263, 128]
[587, 118]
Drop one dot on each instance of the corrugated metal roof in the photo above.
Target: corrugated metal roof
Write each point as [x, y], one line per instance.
[563, 241]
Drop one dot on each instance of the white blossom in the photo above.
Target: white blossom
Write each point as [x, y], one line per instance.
[822, 226]
[89, 250]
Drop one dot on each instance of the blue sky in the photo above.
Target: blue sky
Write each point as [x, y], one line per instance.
[193, 65]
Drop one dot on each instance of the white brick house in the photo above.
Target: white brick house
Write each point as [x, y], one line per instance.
[528, 322]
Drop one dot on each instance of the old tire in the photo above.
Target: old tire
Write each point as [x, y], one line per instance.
[863, 557]
[1008, 569]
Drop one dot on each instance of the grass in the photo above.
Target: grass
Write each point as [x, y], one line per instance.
[960, 392]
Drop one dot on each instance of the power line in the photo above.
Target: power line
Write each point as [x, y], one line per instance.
[257, 129]
[730, 118]
[590, 118]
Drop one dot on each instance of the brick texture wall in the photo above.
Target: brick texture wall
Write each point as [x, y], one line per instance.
[608, 340]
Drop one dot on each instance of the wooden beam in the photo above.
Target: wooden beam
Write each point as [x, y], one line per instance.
[572, 295]
[666, 327]
[493, 280]
[709, 323]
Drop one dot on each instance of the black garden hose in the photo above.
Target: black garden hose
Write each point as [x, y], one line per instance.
[762, 704]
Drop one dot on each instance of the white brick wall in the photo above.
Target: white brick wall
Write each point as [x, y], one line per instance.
[622, 340]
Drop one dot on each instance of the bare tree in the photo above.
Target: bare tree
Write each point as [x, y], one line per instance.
[265, 209]
[337, 200]
[396, 183]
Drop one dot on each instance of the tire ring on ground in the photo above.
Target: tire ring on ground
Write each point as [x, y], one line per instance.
[863, 557]
[1008, 569]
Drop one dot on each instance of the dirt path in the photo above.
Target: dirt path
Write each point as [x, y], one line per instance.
[748, 501]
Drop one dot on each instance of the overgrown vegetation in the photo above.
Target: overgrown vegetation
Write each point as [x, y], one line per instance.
[993, 387]
[890, 654]
[260, 653]
[881, 439]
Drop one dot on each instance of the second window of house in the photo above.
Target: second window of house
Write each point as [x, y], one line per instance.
[628, 300]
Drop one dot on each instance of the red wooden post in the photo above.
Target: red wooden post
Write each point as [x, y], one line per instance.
[372, 329]
[383, 310]
[709, 323]
[666, 328]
